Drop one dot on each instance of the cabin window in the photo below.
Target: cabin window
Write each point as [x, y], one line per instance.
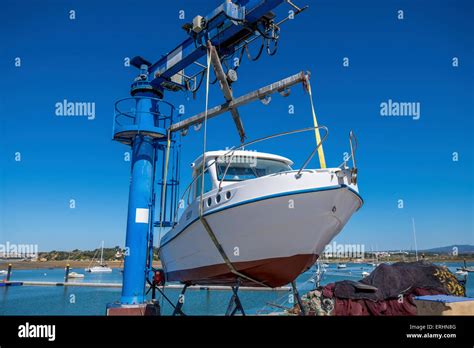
[207, 183]
[250, 170]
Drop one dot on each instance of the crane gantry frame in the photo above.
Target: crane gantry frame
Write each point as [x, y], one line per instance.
[225, 32]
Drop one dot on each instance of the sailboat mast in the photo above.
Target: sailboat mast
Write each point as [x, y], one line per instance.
[414, 236]
[102, 254]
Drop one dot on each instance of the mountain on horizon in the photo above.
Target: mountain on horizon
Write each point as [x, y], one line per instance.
[461, 249]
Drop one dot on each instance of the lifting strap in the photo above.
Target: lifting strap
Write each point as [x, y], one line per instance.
[203, 220]
[322, 160]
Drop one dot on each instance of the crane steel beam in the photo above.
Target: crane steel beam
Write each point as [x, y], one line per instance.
[224, 28]
[226, 89]
[279, 86]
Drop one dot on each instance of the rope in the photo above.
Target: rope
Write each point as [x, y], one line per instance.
[205, 129]
[203, 220]
[322, 160]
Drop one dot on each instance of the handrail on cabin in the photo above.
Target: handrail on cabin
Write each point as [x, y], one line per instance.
[232, 152]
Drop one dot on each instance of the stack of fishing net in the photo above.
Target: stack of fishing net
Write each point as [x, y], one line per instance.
[388, 290]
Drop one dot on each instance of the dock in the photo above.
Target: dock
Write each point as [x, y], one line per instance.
[119, 285]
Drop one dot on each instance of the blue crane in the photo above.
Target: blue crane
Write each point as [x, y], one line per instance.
[148, 124]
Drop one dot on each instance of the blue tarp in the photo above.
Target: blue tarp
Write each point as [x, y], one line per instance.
[444, 298]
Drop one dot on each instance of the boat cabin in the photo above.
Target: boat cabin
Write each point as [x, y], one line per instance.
[230, 167]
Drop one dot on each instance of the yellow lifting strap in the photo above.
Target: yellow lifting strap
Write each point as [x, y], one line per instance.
[322, 160]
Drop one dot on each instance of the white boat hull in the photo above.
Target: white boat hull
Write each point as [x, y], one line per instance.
[269, 233]
[99, 270]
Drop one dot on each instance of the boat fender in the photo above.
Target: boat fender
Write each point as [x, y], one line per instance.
[159, 277]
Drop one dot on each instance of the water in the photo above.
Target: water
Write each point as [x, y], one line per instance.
[58, 300]
[57, 275]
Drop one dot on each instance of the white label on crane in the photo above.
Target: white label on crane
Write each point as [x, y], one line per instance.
[141, 216]
[174, 57]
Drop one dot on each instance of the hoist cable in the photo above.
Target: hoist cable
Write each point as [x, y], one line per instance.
[163, 191]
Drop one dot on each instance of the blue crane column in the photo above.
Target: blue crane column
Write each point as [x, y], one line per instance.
[138, 220]
[143, 134]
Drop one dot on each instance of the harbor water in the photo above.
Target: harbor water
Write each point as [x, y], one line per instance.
[71, 300]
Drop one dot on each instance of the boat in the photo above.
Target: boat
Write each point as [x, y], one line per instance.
[102, 267]
[99, 269]
[341, 265]
[3, 272]
[262, 223]
[466, 268]
[461, 272]
[75, 275]
[375, 261]
[323, 262]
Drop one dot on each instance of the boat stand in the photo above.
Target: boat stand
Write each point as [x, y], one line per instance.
[179, 305]
[234, 303]
[177, 308]
[154, 286]
[296, 295]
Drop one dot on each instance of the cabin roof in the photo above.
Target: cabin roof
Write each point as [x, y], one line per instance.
[244, 153]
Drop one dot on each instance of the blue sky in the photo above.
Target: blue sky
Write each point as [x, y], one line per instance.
[407, 60]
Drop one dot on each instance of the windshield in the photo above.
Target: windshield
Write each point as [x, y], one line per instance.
[252, 169]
